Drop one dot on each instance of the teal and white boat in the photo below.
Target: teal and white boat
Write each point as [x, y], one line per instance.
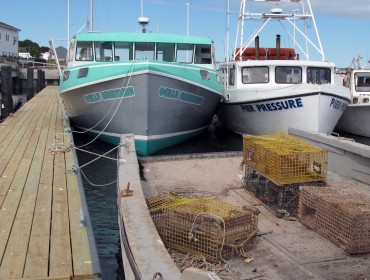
[163, 88]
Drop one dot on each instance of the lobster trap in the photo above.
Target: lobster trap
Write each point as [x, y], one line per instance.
[281, 199]
[340, 214]
[284, 159]
[203, 226]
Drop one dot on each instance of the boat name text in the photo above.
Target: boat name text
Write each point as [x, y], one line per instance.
[183, 96]
[273, 106]
[109, 94]
[337, 104]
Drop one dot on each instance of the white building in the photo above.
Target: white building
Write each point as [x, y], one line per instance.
[8, 40]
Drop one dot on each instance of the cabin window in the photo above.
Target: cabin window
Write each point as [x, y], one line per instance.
[165, 52]
[288, 75]
[203, 54]
[365, 100]
[123, 51]
[317, 75]
[84, 51]
[103, 51]
[184, 53]
[254, 75]
[231, 76]
[71, 50]
[362, 82]
[144, 50]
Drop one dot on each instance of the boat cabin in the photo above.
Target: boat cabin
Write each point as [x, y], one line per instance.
[252, 73]
[359, 83]
[140, 46]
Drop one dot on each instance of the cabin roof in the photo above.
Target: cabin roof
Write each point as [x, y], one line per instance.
[143, 37]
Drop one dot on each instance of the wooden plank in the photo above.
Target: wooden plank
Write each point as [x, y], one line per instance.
[37, 260]
[82, 264]
[18, 241]
[13, 179]
[60, 246]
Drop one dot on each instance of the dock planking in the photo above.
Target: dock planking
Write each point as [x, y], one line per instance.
[41, 199]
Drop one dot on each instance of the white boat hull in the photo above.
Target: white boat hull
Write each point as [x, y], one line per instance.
[318, 112]
[355, 120]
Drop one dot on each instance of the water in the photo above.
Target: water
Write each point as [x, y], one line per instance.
[101, 198]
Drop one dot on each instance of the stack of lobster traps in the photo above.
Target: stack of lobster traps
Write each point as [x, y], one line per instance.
[277, 165]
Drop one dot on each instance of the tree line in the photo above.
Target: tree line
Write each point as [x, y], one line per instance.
[33, 48]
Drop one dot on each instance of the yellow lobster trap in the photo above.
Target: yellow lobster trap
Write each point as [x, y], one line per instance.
[284, 159]
[204, 226]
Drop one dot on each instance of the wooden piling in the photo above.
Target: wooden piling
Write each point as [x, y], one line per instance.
[6, 92]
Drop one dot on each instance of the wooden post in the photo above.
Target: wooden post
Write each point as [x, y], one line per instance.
[42, 79]
[29, 90]
[6, 92]
[39, 80]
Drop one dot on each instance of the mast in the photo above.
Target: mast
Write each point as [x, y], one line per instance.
[143, 21]
[91, 16]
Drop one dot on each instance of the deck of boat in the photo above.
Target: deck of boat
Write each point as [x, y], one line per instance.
[41, 200]
[285, 248]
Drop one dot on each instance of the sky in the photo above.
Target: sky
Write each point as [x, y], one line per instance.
[343, 24]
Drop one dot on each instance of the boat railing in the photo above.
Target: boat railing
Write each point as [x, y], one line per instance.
[52, 47]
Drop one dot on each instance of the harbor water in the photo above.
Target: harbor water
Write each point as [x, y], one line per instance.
[99, 179]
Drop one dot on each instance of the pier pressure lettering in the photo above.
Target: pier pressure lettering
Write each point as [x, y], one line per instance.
[179, 95]
[289, 104]
[110, 94]
[337, 104]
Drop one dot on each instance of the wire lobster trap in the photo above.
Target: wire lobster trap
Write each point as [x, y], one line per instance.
[282, 200]
[203, 226]
[340, 214]
[284, 159]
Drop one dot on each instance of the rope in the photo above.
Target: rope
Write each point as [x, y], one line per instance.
[115, 111]
[96, 185]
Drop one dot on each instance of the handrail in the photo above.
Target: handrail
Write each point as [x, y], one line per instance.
[52, 47]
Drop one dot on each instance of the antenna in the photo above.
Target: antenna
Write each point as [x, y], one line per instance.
[143, 21]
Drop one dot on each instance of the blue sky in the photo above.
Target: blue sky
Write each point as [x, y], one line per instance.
[343, 24]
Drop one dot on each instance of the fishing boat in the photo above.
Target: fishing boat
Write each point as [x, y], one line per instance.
[163, 88]
[269, 89]
[355, 119]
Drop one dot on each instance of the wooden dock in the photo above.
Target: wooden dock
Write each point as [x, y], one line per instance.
[45, 230]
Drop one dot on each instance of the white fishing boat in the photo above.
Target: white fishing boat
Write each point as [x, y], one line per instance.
[355, 119]
[269, 89]
[161, 87]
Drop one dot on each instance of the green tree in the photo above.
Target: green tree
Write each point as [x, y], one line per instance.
[33, 48]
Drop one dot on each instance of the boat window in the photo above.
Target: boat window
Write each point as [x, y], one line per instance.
[103, 51]
[166, 52]
[231, 76]
[71, 50]
[144, 50]
[355, 100]
[318, 75]
[254, 75]
[288, 75]
[184, 53]
[203, 54]
[123, 51]
[366, 100]
[362, 82]
[84, 51]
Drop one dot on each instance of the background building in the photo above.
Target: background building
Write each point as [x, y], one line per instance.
[8, 40]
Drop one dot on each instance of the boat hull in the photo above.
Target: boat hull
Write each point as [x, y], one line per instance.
[158, 109]
[355, 120]
[317, 112]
